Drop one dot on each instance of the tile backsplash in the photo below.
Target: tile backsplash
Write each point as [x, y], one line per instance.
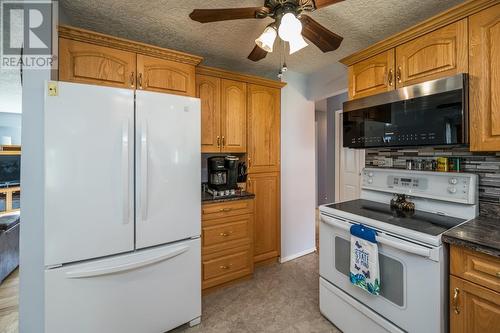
[486, 165]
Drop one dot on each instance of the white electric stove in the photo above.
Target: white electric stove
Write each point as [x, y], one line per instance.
[413, 262]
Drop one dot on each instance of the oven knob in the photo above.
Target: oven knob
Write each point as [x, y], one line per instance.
[370, 181]
[370, 174]
[452, 190]
[453, 181]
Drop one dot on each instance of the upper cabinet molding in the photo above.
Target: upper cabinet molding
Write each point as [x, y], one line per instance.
[96, 38]
[216, 72]
[443, 19]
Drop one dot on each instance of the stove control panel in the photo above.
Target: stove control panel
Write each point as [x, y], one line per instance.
[456, 187]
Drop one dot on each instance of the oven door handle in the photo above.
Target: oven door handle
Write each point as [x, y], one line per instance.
[387, 240]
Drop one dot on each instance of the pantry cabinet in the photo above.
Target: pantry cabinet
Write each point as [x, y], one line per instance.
[474, 292]
[372, 76]
[264, 118]
[438, 54]
[223, 114]
[484, 79]
[94, 58]
[267, 240]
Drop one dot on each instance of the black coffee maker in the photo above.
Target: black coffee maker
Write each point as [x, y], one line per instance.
[223, 174]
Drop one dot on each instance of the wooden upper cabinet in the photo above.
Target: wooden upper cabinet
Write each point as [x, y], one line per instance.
[234, 117]
[437, 54]
[266, 187]
[264, 112]
[165, 76]
[473, 309]
[208, 89]
[372, 76]
[92, 64]
[484, 80]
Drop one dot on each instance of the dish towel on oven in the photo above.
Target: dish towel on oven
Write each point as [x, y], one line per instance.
[364, 259]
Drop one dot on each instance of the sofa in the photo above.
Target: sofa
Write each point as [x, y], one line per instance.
[9, 244]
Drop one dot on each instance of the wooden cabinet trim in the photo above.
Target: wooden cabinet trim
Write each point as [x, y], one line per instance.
[96, 38]
[450, 16]
[251, 79]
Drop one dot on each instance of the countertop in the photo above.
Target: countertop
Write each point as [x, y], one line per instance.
[208, 198]
[481, 234]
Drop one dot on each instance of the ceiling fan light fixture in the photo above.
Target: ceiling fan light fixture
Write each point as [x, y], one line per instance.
[267, 39]
[297, 44]
[290, 27]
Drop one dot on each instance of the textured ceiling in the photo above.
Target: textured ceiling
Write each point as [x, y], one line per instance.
[227, 44]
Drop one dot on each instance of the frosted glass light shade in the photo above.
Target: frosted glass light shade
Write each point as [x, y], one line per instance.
[266, 40]
[290, 27]
[297, 43]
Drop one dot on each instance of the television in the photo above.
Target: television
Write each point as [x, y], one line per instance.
[10, 170]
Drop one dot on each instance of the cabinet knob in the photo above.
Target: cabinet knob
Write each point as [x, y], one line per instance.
[398, 75]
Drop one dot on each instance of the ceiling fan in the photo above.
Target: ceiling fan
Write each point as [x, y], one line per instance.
[290, 24]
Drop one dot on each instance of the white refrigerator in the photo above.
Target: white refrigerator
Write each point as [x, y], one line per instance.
[122, 210]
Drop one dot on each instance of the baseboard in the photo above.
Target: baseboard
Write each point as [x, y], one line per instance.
[297, 255]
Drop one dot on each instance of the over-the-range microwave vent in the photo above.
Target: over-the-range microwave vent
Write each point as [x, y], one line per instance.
[433, 113]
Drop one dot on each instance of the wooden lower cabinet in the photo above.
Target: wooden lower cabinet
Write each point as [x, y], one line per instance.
[473, 309]
[227, 242]
[267, 239]
[474, 292]
[484, 80]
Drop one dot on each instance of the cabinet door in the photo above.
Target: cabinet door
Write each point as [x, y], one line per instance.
[87, 63]
[266, 187]
[208, 90]
[473, 309]
[484, 80]
[438, 54]
[372, 76]
[264, 105]
[165, 76]
[234, 116]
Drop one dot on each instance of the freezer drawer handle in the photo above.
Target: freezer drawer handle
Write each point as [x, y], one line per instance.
[89, 273]
[382, 239]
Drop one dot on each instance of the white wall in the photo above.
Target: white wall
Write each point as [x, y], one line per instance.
[327, 82]
[297, 169]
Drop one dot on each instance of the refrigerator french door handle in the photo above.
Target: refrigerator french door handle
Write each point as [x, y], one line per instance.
[126, 171]
[90, 273]
[144, 171]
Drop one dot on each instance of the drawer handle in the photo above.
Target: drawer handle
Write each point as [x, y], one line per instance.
[226, 267]
[398, 75]
[225, 210]
[456, 307]
[226, 234]
[498, 274]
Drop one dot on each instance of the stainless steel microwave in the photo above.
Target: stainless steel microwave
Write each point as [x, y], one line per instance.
[433, 113]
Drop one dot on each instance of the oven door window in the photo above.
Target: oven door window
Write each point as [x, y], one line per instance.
[391, 272]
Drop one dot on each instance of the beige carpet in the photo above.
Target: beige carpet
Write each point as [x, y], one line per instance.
[280, 298]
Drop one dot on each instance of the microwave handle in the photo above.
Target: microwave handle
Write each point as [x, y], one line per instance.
[386, 240]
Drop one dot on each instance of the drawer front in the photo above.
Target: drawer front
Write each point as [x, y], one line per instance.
[476, 267]
[234, 229]
[226, 266]
[224, 209]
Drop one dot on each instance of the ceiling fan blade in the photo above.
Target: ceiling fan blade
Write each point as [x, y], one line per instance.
[320, 36]
[324, 3]
[257, 54]
[224, 14]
